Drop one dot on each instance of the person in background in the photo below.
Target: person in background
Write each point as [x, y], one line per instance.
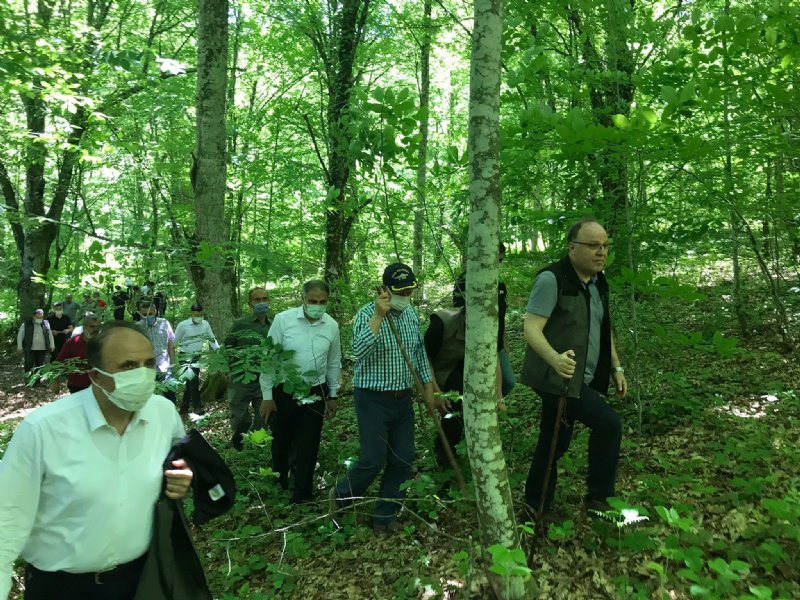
[100, 304]
[77, 349]
[88, 306]
[81, 477]
[35, 340]
[161, 336]
[61, 326]
[71, 309]
[118, 300]
[313, 335]
[247, 331]
[191, 337]
[134, 298]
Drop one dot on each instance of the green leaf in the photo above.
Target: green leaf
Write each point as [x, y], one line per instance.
[620, 121]
[771, 35]
[670, 94]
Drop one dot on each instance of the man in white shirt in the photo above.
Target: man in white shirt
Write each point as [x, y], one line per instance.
[191, 337]
[313, 335]
[82, 474]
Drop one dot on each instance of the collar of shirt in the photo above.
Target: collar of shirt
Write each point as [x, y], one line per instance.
[96, 419]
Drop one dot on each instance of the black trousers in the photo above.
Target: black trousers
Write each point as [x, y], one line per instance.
[119, 584]
[191, 390]
[604, 440]
[34, 358]
[296, 431]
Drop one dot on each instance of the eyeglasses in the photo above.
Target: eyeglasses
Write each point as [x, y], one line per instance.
[593, 246]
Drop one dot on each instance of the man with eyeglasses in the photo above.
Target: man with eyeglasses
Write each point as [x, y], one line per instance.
[570, 343]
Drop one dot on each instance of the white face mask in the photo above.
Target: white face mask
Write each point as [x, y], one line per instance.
[400, 303]
[59, 313]
[197, 320]
[132, 389]
[38, 320]
[315, 311]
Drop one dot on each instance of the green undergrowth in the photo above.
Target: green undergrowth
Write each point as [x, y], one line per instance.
[707, 507]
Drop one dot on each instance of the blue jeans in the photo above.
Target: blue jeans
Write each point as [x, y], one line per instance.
[604, 440]
[506, 373]
[386, 436]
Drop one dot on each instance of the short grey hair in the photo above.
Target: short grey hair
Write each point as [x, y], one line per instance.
[316, 284]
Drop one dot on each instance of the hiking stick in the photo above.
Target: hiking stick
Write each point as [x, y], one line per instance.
[562, 404]
[421, 394]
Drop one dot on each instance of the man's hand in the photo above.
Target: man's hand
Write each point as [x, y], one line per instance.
[564, 364]
[383, 302]
[178, 479]
[620, 383]
[330, 408]
[267, 408]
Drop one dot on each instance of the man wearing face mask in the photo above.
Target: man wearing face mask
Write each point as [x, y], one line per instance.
[160, 334]
[81, 477]
[77, 349]
[61, 326]
[244, 390]
[35, 340]
[191, 337]
[382, 388]
[313, 335]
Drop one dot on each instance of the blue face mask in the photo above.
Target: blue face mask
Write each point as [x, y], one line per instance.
[261, 308]
[151, 320]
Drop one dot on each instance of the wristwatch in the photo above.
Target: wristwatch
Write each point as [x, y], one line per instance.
[618, 370]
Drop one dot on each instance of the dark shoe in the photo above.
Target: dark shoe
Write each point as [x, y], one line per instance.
[199, 411]
[388, 528]
[236, 442]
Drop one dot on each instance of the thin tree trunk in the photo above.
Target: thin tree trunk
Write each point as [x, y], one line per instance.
[495, 509]
[422, 156]
[212, 264]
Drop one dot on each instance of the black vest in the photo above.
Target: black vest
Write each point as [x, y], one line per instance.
[568, 329]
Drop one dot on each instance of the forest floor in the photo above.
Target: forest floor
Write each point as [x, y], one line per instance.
[714, 466]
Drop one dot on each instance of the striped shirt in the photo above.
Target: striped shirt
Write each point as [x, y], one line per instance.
[379, 363]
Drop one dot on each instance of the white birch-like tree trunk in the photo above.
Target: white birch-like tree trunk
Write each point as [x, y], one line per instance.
[211, 265]
[495, 509]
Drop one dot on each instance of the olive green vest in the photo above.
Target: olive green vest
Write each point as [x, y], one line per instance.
[453, 344]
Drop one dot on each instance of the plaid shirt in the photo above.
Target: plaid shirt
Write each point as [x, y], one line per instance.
[379, 363]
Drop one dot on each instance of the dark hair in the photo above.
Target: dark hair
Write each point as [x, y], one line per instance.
[573, 232]
[148, 302]
[196, 308]
[250, 293]
[89, 316]
[316, 284]
[98, 340]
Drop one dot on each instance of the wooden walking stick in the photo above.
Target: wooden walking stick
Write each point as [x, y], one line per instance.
[562, 405]
[421, 394]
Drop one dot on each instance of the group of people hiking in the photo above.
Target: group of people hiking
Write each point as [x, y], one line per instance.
[570, 360]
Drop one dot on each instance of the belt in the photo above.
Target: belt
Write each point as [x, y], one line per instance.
[396, 393]
[97, 577]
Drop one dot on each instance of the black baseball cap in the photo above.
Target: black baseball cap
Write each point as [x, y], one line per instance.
[398, 277]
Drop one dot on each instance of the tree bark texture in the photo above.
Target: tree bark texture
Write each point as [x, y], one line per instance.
[211, 262]
[348, 33]
[495, 509]
[422, 156]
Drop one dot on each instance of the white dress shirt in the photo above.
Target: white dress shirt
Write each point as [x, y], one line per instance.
[74, 494]
[316, 345]
[191, 337]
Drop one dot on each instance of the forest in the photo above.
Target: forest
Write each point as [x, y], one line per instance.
[206, 149]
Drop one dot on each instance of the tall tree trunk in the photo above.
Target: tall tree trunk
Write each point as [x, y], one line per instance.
[495, 509]
[422, 156]
[348, 33]
[212, 263]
